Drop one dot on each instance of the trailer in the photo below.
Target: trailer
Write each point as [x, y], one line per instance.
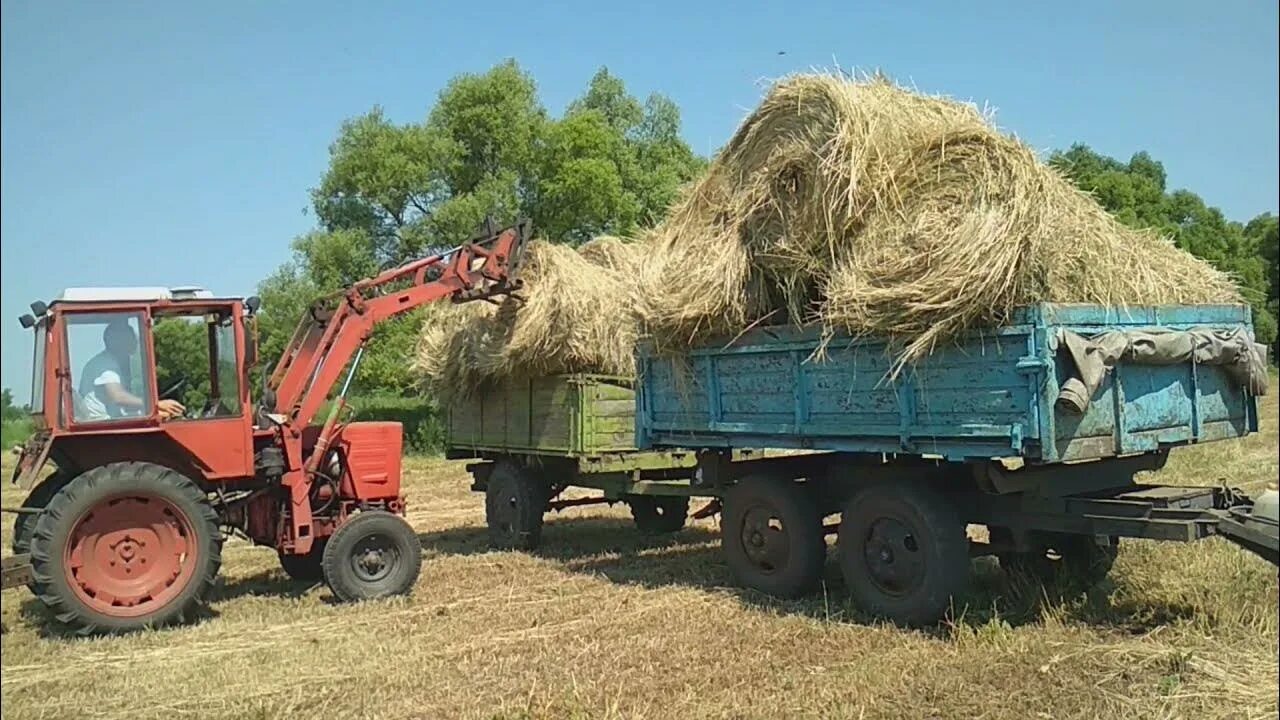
[534, 438]
[1038, 430]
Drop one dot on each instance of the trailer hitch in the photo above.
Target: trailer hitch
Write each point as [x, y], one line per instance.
[1252, 525]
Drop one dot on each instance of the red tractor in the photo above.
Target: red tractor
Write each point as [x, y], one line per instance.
[127, 530]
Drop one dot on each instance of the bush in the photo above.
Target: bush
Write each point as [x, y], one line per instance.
[423, 421]
[15, 432]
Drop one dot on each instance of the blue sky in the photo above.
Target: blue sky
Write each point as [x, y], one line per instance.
[150, 143]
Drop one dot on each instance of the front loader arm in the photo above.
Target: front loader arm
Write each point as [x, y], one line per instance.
[336, 327]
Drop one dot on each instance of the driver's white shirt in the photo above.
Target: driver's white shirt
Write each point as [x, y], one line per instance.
[100, 371]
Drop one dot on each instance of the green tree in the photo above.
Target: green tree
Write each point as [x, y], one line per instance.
[182, 352]
[487, 147]
[1136, 193]
[8, 411]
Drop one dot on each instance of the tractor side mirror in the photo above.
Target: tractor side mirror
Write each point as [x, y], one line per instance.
[27, 321]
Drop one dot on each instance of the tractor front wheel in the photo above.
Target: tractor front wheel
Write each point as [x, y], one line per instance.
[125, 546]
[375, 554]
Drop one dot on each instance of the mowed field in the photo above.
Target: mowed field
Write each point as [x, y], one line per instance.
[605, 623]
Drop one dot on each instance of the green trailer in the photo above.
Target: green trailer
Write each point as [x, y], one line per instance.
[533, 438]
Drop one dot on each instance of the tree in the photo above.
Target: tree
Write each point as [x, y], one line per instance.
[8, 411]
[182, 352]
[1135, 192]
[487, 147]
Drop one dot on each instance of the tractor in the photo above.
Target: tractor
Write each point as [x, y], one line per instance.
[135, 490]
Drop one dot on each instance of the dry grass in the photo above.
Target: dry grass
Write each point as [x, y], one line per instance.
[604, 623]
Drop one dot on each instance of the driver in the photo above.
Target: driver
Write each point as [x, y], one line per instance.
[106, 376]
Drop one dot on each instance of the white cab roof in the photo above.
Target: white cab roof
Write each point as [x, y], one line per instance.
[111, 294]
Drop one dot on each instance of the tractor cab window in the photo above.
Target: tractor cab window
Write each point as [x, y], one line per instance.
[196, 363]
[105, 356]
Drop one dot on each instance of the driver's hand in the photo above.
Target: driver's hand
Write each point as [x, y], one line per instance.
[170, 409]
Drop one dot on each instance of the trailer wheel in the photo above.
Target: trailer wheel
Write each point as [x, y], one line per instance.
[305, 568]
[514, 504]
[1064, 556]
[903, 552]
[772, 536]
[25, 523]
[659, 514]
[125, 546]
[374, 554]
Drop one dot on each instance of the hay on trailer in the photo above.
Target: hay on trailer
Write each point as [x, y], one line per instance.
[980, 227]
[614, 253]
[859, 205]
[874, 209]
[573, 315]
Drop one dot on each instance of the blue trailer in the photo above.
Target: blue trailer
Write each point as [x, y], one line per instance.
[1035, 429]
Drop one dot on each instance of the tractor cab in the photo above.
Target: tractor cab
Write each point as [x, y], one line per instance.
[113, 367]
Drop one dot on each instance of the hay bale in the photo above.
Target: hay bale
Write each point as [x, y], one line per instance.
[613, 253]
[979, 227]
[575, 315]
[873, 209]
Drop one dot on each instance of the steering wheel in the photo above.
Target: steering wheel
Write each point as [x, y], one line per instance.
[171, 392]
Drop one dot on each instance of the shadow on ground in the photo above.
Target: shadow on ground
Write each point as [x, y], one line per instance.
[612, 548]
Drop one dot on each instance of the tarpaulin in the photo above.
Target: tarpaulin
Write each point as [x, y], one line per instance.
[1243, 359]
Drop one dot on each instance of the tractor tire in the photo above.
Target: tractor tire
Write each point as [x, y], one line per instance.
[373, 555]
[25, 523]
[659, 514]
[1064, 557]
[771, 535]
[514, 504]
[305, 568]
[125, 546]
[903, 552]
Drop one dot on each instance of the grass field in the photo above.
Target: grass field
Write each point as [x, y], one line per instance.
[606, 623]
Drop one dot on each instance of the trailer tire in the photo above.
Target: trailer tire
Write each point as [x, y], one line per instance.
[374, 554]
[903, 552]
[148, 544]
[514, 503]
[659, 514]
[1064, 557]
[25, 523]
[305, 568]
[771, 534]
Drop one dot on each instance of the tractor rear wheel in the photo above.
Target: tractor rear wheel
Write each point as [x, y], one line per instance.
[125, 546]
[514, 503]
[374, 554]
[659, 514]
[305, 568]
